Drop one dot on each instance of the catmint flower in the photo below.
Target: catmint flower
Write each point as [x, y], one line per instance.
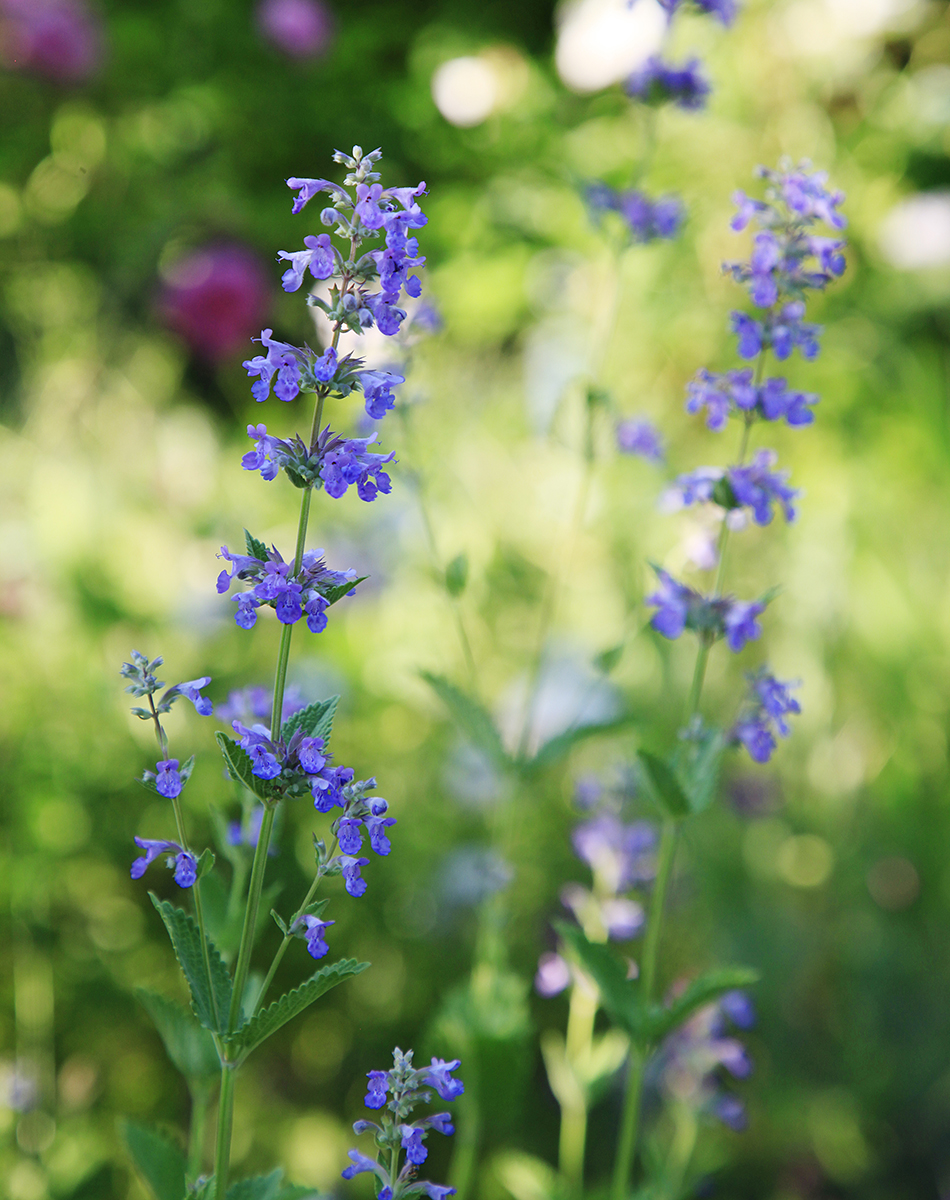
[725, 10]
[168, 781]
[734, 394]
[553, 975]
[645, 219]
[192, 691]
[732, 1112]
[411, 1142]
[246, 704]
[376, 827]
[377, 1089]
[291, 596]
[378, 391]
[214, 298]
[334, 463]
[361, 1163]
[679, 607]
[350, 834]
[754, 486]
[316, 943]
[624, 855]
[738, 1008]
[768, 704]
[636, 435]
[689, 1061]
[439, 1075]
[318, 258]
[185, 866]
[657, 82]
[144, 682]
[353, 881]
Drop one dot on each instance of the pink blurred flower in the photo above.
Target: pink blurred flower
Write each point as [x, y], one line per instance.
[59, 39]
[216, 298]
[301, 28]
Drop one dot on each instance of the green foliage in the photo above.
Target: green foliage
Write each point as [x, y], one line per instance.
[338, 591]
[662, 786]
[472, 718]
[255, 547]
[241, 770]
[270, 1019]
[621, 996]
[158, 1160]
[557, 749]
[456, 575]
[190, 1047]
[316, 720]
[211, 997]
[260, 1187]
[697, 766]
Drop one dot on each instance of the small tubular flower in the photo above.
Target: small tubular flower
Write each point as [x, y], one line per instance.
[184, 864]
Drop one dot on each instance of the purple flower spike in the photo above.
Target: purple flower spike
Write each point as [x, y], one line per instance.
[376, 828]
[657, 82]
[553, 975]
[739, 1009]
[443, 1123]
[435, 1191]
[361, 1163]
[350, 834]
[306, 189]
[168, 782]
[672, 599]
[770, 701]
[318, 258]
[731, 1111]
[439, 1076]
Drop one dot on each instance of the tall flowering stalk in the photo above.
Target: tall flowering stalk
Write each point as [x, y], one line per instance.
[789, 258]
[283, 755]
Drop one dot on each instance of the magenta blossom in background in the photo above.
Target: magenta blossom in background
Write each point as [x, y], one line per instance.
[301, 28]
[215, 298]
[58, 39]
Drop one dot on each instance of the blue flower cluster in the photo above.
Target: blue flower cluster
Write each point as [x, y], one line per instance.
[395, 1135]
[679, 607]
[333, 463]
[373, 210]
[637, 435]
[725, 10]
[303, 764]
[308, 593]
[644, 219]
[769, 702]
[145, 683]
[788, 259]
[657, 82]
[622, 857]
[734, 393]
[691, 1058]
[755, 486]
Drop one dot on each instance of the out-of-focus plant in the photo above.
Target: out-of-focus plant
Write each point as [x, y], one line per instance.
[285, 755]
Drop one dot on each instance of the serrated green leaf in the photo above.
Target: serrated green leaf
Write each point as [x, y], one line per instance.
[316, 720]
[558, 747]
[240, 768]
[619, 995]
[159, 1161]
[662, 785]
[456, 575]
[332, 594]
[255, 548]
[260, 1187]
[189, 1046]
[697, 767]
[701, 991]
[279, 921]
[211, 997]
[472, 719]
[270, 1019]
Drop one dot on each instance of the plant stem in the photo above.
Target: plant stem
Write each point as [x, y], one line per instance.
[626, 1149]
[288, 938]
[200, 1101]
[222, 1149]
[577, 1048]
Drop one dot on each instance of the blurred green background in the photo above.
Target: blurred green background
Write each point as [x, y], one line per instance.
[120, 479]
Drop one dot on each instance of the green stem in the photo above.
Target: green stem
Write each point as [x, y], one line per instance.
[288, 938]
[222, 1148]
[250, 917]
[630, 1120]
[200, 1102]
[465, 1150]
[578, 1043]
